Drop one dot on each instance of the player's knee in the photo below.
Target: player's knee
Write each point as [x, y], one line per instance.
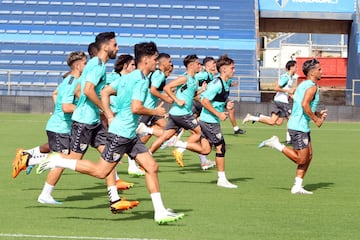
[222, 149]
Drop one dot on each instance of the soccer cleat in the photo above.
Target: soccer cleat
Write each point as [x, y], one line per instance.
[226, 184]
[20, 162]
[178, 157]
[122, 205]
[141, 129]
[300, 190]
[246, 118]
[167, 217]
[122, 185]
[169, 143]
[48, 162]
[269, 142]
[208, 164]
[240, 131]
[47, 200]
[136, 171]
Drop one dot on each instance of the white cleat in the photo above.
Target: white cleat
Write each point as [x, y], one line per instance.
[300, 190]
[48, 162]
[47, 200]
[167, 216]
[246, 118]
[135, 171]
[226, 184]
[269, 142]
[208, 164]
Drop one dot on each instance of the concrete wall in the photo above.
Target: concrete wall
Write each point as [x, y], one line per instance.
[22, 104]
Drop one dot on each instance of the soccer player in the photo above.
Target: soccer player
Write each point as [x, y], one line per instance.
[306, 99]
[180, 114]
[58, 128]
[130, 92]
[214, 100]
[282, 108]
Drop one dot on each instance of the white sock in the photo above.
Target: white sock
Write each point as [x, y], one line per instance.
[65, 163]
[37, 159]
[157, 202]
[236, 128]
[254, 118]
[264, 116]
[33, 151]
[221, 176]
[279, 146]
[116, 175]
[113, 193]
[132, 163]
[288, 138]
[181, 144]
[298, 182]
[149, 130]
[203, 158]
[47, 190]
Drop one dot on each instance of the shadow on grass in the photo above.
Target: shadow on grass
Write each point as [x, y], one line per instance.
[314, 186]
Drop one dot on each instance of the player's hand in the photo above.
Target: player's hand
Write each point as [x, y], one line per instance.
[160, 110]
[323, 114]
[230, 105]
[180, 102]
[223, 116]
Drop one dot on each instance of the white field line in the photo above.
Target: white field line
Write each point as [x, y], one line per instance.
[19, 235]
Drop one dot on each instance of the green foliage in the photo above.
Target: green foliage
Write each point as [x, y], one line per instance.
[261, 208]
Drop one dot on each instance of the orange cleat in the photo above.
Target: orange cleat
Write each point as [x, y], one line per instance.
[122, 205]
[122, 185]
[20, 162]
[178, 157]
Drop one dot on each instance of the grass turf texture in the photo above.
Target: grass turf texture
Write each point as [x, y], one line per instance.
[261, 208]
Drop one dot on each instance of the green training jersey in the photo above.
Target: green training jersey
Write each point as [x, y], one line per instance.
[185, 92]
[132, 86]
[111, 77]
[156, 79]
[86, 111]
[299, 120]
[59, 121]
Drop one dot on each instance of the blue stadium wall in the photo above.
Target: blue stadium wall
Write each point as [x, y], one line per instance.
[37, 35]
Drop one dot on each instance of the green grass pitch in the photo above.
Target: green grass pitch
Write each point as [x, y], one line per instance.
[261, 208]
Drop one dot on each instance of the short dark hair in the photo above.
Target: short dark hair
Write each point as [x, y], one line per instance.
[290, 64]
[223, 61]
[103, 37]
[144, 49]
[121, 61]
[92, 49]
[163, 55]
[208, 59]
[189, 59]
[308, 65]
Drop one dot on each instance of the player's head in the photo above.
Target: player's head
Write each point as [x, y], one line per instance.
[146, 53]
[124, 62]
[92, 50]
[225, 65]
[291, 66]
[192, 61]
[75, 58]
[312, 69]
[210, 64]
[164, 61]
[106, 41]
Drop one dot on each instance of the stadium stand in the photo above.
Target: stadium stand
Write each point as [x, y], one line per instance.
[36, 36]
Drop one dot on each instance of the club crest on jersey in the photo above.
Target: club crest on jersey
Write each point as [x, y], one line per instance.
[116, 156]
[282, 3]
[83, 146]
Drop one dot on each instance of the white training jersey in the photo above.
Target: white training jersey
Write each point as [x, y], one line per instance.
[285, 82]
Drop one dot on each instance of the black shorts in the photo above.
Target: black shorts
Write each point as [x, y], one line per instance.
[299, 140]
[186, 121]
[116, 146]
[212, 132]
[149, 120]
[282, 110]
[83, 135]
[196, 107]
[59, 142]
